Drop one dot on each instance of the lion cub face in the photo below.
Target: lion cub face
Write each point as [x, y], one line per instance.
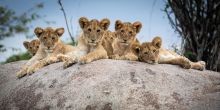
[93, 30]
[126, 32]
[32, 46]
[149, 51]
[48, 37]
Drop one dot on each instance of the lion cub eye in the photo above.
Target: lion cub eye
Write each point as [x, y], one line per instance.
[122, 31]
[53, 38]
[98, 30]
[89, 30]
[45, 37]
[37, 46]
[154, 51]
[130, 32]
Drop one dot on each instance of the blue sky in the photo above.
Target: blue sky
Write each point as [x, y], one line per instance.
[149, 12]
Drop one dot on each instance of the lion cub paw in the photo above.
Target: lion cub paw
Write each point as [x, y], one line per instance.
[84, 60]
[185, 63]
[32, 70]
[202, 65]
[115, 57]
[69, 63]
[62, 57]
[51, 60]
[21, 73]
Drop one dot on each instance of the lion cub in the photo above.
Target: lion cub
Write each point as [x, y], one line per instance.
[125, 37]
[151, 52]
[89, 46]
[32, 46]
[50, 47]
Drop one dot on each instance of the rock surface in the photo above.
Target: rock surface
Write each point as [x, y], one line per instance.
[109, 85]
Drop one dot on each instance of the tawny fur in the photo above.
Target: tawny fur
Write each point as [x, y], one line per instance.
[50, 47]
[32, 46]
[90, 43]
[125, 38]
[151, 52]
[108, 39]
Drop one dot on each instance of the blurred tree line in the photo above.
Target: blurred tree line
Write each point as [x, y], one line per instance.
[11, 23]
[198, 24]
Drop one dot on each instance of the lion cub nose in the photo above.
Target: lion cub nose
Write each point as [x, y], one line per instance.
[125, 40]
[93, 40]
[48, 47]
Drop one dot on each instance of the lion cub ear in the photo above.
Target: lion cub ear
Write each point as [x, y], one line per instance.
[59, 31]
[118, 25]
[83, 22]
[136, 48]
[104, 23]
[37, 41]
[38, 31]
[26, 44]
[137, 25]
[157, 42]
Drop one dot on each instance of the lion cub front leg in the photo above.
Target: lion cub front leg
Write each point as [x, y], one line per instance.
[24, 70]
[182, 61]
[117, 57]
[128, 56]
[95, 55]
[124, 57]
[46, 61]
[52, 59]
[68, 61]
[131, 57]
[33, 68]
